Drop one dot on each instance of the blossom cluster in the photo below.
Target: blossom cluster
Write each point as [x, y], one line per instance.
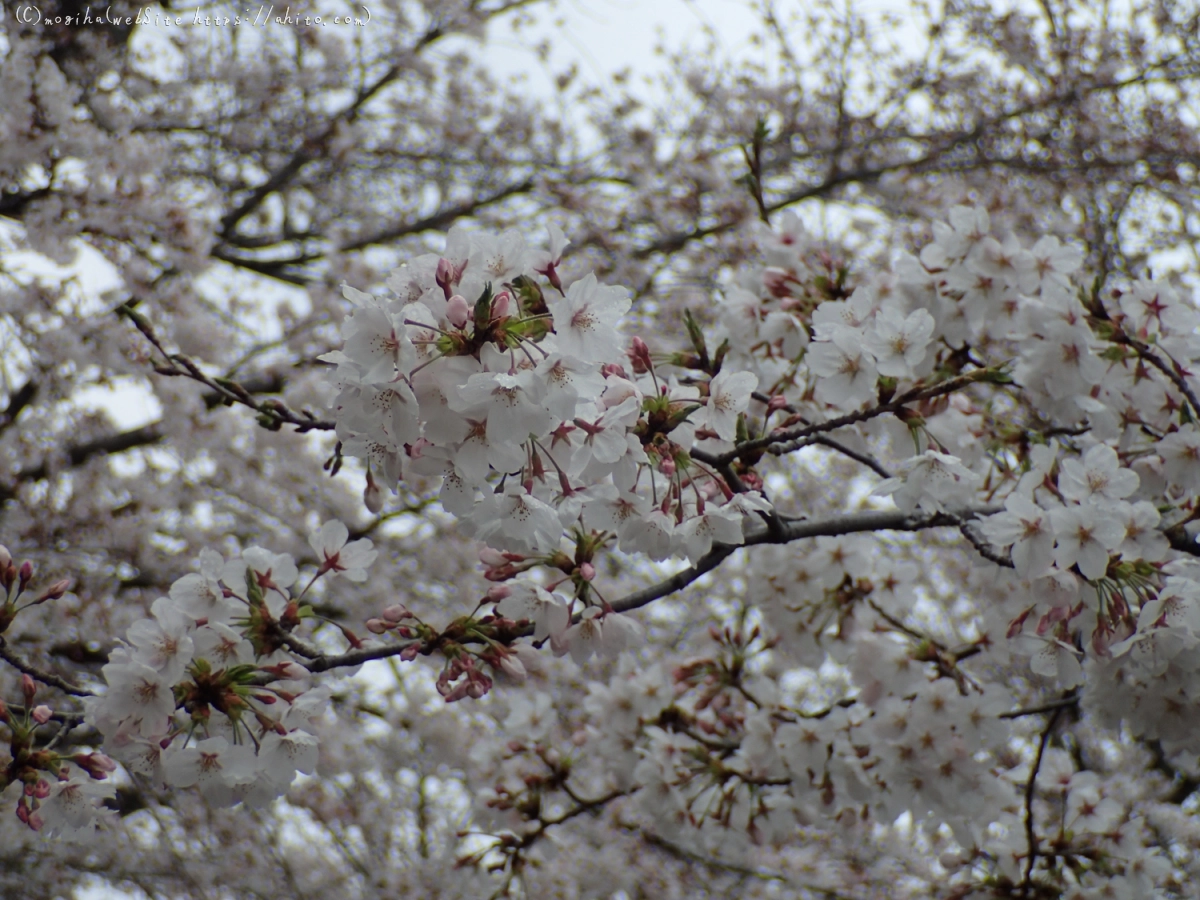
[980, 386]
[487, 370]
[206, 693]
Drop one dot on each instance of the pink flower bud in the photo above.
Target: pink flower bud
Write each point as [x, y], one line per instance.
[396, 612]
[492, 558]
[667, 466]
[42, 714]
[5, 557]
[41, 790]
[587, 571]
[500, 573]
[36, 822]
[55, 591]
[500, 305]
[409, 653]
[513, 668]
[614, 370]
[455, 694]
[458, 311]
[639, 355]
[446, 277]
[372, 497]
[498, 592]
[26, 573]
[377, 626]
[28, 688]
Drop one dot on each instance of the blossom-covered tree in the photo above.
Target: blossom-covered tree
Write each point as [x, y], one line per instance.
[786, 491]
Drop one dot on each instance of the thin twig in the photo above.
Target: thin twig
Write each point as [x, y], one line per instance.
[1061, 703]
[1030, 790]
[48, 678]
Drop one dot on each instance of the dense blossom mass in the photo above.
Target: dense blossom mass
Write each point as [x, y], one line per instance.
[782, 487]
[558, 441]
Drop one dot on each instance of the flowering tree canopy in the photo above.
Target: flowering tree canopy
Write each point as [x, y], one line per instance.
[791, 491]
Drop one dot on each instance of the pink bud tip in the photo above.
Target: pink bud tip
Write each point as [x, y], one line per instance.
[41, 790]
[409, 653]
[5, 557]
[377, 626]
[587, 571]
[373, 498]
[498, 592]
[55, 591]
[500, 305]
[513, 668]
[396, 612]
[446, 277]
[28, 688]
[492, 558]
[42, 714]
[26, 572]
[97, 765]
[614, 370]
[457, 311]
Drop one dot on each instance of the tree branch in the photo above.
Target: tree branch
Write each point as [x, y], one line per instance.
[441, 219]
[48, 678]
[792, 439]
[1030, 790]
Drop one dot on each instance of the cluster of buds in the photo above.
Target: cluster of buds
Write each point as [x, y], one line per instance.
[474, 685]
[30, 765]
[390, 620]
[15, 579]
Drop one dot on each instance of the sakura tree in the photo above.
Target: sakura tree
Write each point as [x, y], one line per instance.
[863, 565]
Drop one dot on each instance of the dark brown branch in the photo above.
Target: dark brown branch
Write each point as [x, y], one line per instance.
[47, 678]
[792, 439]
[1061, 703]
[986, 550]
[891, 520]
[312, 148]
[867, 460]
[273, 414]
[441, 219]
[1030, 790]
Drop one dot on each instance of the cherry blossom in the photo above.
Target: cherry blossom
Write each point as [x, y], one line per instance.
[349, 560]
[585, 319]
[728, 396]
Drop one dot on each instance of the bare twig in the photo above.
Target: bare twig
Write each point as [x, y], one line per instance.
[1030, 790]
[1061, 703]
[47, 678]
